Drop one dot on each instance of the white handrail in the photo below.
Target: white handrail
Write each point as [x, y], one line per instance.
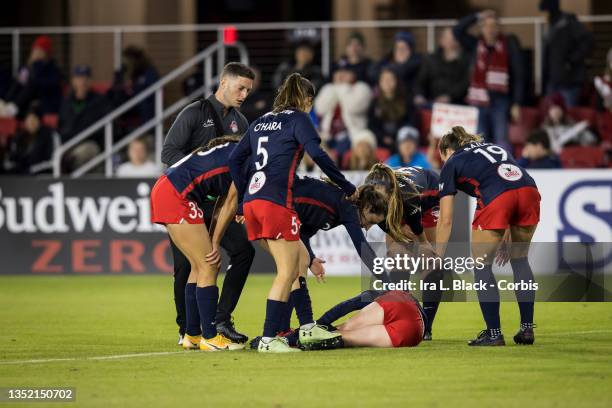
[100, 29]
[107, 120]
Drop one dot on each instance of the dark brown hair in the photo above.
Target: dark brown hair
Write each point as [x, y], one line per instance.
[237, 69]
[381, 174]
[217, 141]
[456, 138]
[371, 200]
[293, 93]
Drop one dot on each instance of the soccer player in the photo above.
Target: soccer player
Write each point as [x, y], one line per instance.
[269, 154]
[390, 319]
[507, 200]
[413, 208]
[175, 203]
[321, 205]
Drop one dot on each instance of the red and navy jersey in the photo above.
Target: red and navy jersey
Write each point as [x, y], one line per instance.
[425, 181]
[323, 206]
[484, 171]
[203, 175]
[264, 162]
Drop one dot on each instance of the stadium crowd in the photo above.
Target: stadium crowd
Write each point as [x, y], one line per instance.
[366, 112]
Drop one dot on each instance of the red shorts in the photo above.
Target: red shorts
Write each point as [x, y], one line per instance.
[430, 217]
[520, 207]
[403, 320]
[267, 220]
[168, 207]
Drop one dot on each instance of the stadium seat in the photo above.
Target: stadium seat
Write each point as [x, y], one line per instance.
[382, 154]
[576, 157]
[530, 118]
[580, 113]
[604, 127]
[50, 120]
[425, 125]
[100, 87]
[517, 134]
[8, 127]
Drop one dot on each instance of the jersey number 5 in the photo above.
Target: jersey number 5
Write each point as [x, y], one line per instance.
[263, 152]
[494, 150]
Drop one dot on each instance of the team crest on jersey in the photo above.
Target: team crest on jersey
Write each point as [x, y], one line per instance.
[257, 182]
[509, 172]
[234, 126]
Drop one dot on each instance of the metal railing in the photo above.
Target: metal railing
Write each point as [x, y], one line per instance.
[323, 27]
[205, 57]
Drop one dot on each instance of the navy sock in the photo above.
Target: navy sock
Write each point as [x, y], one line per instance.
[285, 322]
[432, 297]
[207, 305]
[275, 309]
[522, 272]
[300, 299]
[191, 311]
[489, 299]
[342, 309]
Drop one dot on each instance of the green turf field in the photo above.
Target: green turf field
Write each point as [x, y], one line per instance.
[82, 318]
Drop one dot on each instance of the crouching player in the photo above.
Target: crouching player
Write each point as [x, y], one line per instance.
[175, 201]
[321, 205]
[391, 319]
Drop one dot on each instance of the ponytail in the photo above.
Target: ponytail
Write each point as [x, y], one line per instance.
[293, 93]
[383, 175]
[456, 138]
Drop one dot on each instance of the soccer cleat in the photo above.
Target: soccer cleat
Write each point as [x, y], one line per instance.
[427, 336]
[316, 337]
[181, 337]
[219, 343]
[191, 342]
[485, 339]
[524, 336]
[254, 343]
[227, 329]
[276, 345]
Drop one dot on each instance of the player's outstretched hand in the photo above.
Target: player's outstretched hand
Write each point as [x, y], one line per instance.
[353, 197]
[318, 270]
[503, 254]
[214, 257]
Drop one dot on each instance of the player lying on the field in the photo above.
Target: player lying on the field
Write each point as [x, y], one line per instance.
[389, 319]
[321, 205]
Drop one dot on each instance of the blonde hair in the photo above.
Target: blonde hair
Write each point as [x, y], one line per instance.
[456, 138]
[293, 93]
[384, 175]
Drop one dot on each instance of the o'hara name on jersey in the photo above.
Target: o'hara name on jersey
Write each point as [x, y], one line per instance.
[263, 127]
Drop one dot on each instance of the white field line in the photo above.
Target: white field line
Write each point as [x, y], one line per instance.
[111, 357]
[166, 353]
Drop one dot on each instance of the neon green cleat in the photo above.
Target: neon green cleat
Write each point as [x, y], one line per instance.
[314, 336]
[276, 345]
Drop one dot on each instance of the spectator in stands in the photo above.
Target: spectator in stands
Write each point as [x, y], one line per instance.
[561, 128]
[258, 102]
[408, 147]
[342, 105]
[137, 73]
[38, 81]
[603, 84]
[31, 146]
[363, 152]
[537, 153]
[567, 45]
[445, 75]
[497, 83]
[139, 164]
[355, 58]
[390, 110]
[81, 108]
[404, 60]
[303, 63]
